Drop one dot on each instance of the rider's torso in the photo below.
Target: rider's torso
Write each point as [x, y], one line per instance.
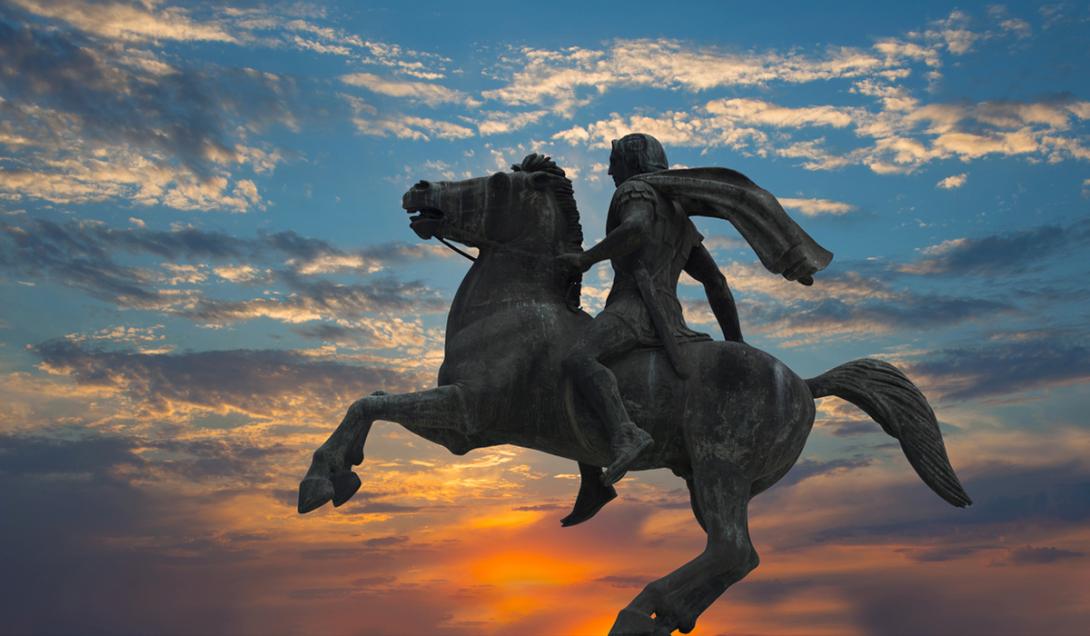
[669, 242]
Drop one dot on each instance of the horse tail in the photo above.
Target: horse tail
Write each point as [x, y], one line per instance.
[892, 400]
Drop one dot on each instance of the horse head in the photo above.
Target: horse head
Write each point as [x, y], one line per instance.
[530, 209]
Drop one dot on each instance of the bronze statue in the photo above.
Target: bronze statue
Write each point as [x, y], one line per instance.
[728, 418]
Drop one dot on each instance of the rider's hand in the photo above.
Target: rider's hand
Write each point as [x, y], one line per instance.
[573, 261]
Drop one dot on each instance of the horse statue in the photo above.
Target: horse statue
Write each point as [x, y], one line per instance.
[731, 430]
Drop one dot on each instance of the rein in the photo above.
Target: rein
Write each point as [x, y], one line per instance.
[455, 248]
[499, 247]
[574, 285]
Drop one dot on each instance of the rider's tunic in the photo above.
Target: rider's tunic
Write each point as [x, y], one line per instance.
[672, 237]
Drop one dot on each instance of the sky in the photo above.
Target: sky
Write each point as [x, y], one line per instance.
[203, 262]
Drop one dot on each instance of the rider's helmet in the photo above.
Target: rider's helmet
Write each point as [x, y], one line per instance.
[637, 153]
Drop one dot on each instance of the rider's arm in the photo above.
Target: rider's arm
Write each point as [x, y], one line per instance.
[632, 231]
[702, 267]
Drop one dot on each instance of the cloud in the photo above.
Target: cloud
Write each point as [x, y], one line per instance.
[310, 300]
[41, 241]
[952, 182]
[671, 128]
[817, 207]
[821, 321]
[368, 122]
[411, 127]
[96, 125]
[426, 92]
[497, 123]
[1030, 555]
[809, 468]
[898, 138]
[455, 573]
[762, 113]
[896, 134]
[332, 40]
[299, 27]
[1005, 496]
[143, 339]
[83, 255]
[562, 79]
[127, 22]
[95, 498]
[1000, 254]
[729, 122]
[567, 79]
[842, 304]
[256, 383]
[1007, 368]
[954, 32]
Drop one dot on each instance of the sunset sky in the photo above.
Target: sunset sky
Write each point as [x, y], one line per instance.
[203, 262]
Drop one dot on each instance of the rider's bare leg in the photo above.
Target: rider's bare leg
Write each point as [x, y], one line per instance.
[607, 337]
[330, 476]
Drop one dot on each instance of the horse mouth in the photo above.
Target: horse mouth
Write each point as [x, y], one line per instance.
[425, 221]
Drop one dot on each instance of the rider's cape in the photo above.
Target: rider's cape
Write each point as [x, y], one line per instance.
[783, 247]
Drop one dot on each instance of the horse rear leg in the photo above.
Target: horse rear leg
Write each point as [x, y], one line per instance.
[330, 476]
[677, 599]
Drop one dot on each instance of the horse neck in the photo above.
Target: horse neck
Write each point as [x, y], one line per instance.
[503, 277]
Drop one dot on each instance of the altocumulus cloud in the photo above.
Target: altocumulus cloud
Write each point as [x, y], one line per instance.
[93, 124]
[257, 383]
[1008, 366]
[82, 255]
[998, 254]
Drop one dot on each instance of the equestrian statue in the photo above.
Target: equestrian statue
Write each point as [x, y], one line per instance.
[633, 388]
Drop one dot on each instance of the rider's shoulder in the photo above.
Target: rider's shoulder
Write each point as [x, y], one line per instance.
[634, 189]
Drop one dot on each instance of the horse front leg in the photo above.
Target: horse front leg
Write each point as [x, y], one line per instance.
[330, 477]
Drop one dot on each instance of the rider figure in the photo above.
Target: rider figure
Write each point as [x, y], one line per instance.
[650, 237]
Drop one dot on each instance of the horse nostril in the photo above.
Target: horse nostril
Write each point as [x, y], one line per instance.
[421, 185]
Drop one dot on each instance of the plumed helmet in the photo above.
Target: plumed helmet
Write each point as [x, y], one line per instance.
[640, 153]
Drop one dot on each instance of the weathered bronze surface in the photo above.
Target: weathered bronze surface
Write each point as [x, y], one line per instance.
[628, 390]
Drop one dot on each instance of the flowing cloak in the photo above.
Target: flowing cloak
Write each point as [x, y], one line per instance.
[783, 247]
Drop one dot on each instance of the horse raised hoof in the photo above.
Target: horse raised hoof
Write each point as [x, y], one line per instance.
[313, 493]
[631, 622]
[344, 486]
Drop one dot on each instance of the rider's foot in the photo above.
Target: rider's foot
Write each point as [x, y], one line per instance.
[592, 496]
[628, 442]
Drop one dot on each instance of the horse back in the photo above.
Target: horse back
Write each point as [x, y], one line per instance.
[740, 405]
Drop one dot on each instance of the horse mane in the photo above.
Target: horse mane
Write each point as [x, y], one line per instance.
[565, 199]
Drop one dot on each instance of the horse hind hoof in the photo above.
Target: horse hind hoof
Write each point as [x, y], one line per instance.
[313, 493]
[633, 623]
[344, 486]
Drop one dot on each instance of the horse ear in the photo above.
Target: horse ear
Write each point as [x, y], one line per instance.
[540, 180]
